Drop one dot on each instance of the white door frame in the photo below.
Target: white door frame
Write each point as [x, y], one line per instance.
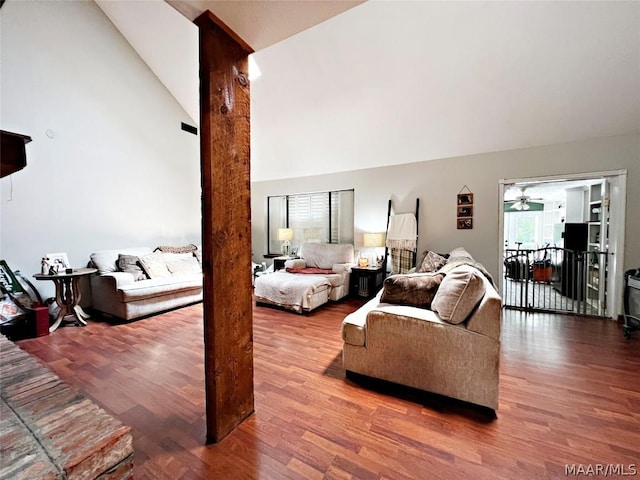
[617, 211]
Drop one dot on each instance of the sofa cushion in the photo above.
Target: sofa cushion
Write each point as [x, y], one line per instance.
[431, 262]
[415, 289]
[131, 264]
[106, 261]
[154, 265]
[460, 292]
[182, 263]
[158, 287]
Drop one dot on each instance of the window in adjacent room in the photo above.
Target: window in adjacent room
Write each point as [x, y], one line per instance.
[325, 217]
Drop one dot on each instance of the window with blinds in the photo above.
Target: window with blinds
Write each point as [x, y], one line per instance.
[324, 217]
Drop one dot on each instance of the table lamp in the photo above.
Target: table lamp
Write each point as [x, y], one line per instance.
[373, 241]
[285, 235]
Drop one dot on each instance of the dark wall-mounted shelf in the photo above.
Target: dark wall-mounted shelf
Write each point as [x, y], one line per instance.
[13, 155]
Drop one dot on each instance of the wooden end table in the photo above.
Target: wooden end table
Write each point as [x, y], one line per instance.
[68, 295]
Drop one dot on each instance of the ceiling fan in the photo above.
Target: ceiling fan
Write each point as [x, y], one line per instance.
[522, 202]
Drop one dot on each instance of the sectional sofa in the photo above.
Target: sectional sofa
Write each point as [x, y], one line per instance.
[446, 342]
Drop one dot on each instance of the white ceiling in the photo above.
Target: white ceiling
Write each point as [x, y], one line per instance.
[261, 23]
[167, 40]
[387, 83]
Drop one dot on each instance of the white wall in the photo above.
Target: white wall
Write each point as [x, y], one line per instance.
[118, 171]
[437, 183]
[406, 81]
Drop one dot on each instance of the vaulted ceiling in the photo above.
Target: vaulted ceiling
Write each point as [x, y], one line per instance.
[381, 83]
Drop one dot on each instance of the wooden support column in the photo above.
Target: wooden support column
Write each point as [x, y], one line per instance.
[226, 226]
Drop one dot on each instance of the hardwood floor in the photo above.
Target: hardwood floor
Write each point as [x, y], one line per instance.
[569, 394]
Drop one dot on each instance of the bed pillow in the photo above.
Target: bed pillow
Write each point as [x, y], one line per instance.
[431, 262]
[460, 292]
[154, 265]
[131, 264]
[417, 289]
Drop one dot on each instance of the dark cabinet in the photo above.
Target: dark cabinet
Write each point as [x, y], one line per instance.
[366, 282]
[572, 283]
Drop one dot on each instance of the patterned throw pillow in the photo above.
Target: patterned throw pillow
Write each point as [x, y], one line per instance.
[130, 264]
[431, 262]
[412, 289]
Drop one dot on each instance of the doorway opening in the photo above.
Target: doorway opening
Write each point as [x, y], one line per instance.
[562, 242]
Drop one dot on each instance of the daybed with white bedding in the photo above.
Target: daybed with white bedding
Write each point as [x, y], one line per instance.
[322, 274]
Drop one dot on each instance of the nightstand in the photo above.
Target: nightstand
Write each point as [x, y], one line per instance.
[278, 262]
[366, 282]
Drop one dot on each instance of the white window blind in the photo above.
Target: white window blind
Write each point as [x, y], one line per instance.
[325, 217]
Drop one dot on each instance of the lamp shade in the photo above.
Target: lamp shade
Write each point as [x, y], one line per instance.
[285, 234]
[373, 239]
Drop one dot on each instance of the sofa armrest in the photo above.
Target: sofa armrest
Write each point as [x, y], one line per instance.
[487, 318]
[114, 280]
[342, 267]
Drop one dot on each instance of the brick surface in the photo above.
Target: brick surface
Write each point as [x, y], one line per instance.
[48, 430]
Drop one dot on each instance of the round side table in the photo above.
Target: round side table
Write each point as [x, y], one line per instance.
[68, 294]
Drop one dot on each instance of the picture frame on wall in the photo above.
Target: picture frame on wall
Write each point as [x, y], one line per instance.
[465, 211]
[465, 199]
[465, 223]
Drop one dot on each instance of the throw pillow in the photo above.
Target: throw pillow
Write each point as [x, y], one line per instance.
[130, 264]
[460, 292]
[431, 262]
[154, 265]
[416, 290]
[182, 263]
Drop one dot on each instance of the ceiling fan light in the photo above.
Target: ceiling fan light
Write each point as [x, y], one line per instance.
[525, 206]
[517, 206]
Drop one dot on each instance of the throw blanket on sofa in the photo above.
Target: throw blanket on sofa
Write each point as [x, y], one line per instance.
[287, 288]
[309, 270]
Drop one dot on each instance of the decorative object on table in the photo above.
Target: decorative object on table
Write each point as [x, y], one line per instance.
[44, 266]
[285, 235]
[464, 209]
[363, 261]
[58, 263]
[374, 241]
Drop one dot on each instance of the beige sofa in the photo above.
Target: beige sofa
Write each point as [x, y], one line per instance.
[417, 347]
[129, 295]
[302, 292]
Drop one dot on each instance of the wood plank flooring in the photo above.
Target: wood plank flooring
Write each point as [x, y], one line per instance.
[569, 394]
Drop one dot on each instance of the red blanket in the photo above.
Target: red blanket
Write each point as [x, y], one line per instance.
[309, 270]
